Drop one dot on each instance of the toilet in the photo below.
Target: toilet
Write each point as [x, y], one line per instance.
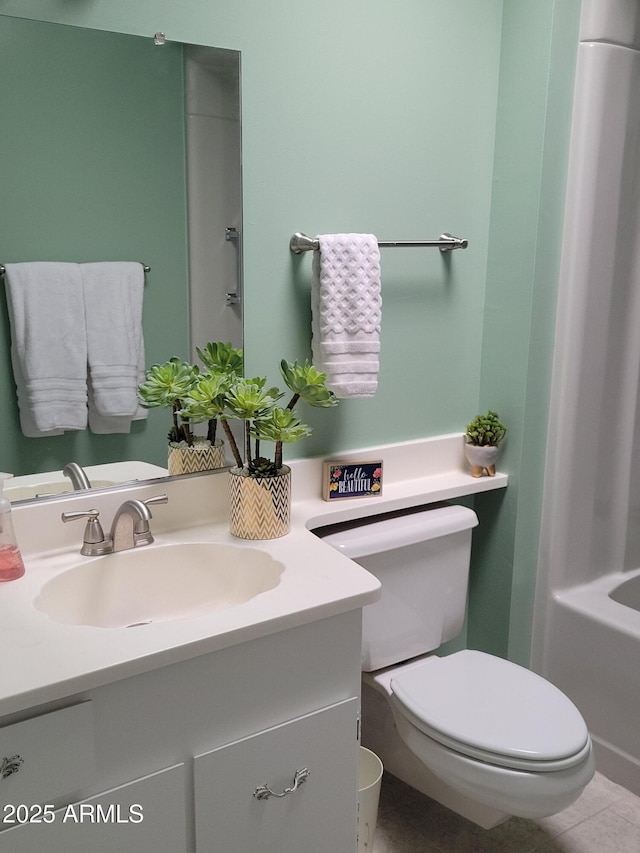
[483, 736]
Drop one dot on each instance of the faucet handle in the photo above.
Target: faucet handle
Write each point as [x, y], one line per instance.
[93, 542]
[142, 531]
[91, 514]
[156, 499]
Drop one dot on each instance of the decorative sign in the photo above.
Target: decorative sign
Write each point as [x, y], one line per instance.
[351, 480]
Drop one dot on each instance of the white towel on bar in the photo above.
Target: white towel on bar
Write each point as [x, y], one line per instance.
[48, 346]
[113, 294]
[346, 310]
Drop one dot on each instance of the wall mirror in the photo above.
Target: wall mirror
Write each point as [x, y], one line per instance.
[117, 147]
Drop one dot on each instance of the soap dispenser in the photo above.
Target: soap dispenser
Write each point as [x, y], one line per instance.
[11, 565]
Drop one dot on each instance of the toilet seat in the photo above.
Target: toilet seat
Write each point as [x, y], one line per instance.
[492, 710]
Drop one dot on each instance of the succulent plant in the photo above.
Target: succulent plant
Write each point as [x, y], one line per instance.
[247, 400]
[485, 430]
[222, 358]
[167, 385]
[170, 383]
[223, 394]
[224, 362]
[262, 467]
[282, 427]
[307, 384]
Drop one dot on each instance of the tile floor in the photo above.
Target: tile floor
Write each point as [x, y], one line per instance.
[605, 819]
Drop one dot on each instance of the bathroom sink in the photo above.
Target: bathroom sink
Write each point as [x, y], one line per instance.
[157, 583]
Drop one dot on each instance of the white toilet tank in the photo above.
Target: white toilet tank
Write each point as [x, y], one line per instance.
[421, 558]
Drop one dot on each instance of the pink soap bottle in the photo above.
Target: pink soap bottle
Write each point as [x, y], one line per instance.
[11, 565]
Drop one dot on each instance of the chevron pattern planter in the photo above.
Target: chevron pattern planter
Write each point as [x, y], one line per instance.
[260, 507]
[203, 456]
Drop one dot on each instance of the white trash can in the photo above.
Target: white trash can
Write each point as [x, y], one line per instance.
[369, 780]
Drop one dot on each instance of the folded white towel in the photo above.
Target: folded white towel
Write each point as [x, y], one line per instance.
[111, 424]
[48, 346]
[113, 294]
[346, 310]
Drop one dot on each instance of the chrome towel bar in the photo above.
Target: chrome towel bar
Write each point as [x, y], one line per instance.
[144, 266]
[301, 243]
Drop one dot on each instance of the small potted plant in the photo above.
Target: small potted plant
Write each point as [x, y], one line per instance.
[483, 435]
[260, 486]
[165, 386]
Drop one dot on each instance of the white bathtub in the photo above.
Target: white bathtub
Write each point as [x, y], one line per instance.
[599, 666]
[586, 635]
[627, 592]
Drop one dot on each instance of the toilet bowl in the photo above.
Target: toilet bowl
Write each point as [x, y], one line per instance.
[481, 735]
[496, 733]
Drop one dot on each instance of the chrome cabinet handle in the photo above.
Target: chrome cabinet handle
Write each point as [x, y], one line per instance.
[264, 791]
[10, 765]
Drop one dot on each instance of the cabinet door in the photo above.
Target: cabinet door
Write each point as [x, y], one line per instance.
[54, 753]
[147, 816]
[319, 815]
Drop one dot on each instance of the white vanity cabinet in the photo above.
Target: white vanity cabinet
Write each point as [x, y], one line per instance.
[147, 815]
[287, 789]
[46, 757]
[185, 746]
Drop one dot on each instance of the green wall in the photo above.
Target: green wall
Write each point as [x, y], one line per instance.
[406, 119]
[92, 169]
[360, 116]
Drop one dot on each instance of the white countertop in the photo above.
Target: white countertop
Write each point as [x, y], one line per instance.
[43, 660]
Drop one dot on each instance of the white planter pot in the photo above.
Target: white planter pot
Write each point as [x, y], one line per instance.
[481, 459]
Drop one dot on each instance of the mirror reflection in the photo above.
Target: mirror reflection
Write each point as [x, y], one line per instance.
[119, 149]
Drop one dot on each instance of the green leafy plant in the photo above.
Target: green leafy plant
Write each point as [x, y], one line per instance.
[485, 430]
[222, 358]
[224, 364]
[166, 385]
[223, 394]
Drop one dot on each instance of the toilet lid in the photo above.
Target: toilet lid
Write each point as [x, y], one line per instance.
[492, 709]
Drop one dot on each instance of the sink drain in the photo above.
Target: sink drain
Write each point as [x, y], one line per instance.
[137, 624]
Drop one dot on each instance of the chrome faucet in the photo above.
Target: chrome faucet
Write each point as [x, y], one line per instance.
[129, 529]
[77, 475]
[130, 526]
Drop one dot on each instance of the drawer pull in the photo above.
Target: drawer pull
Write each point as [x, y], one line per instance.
[10, 765]
[264, 791]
